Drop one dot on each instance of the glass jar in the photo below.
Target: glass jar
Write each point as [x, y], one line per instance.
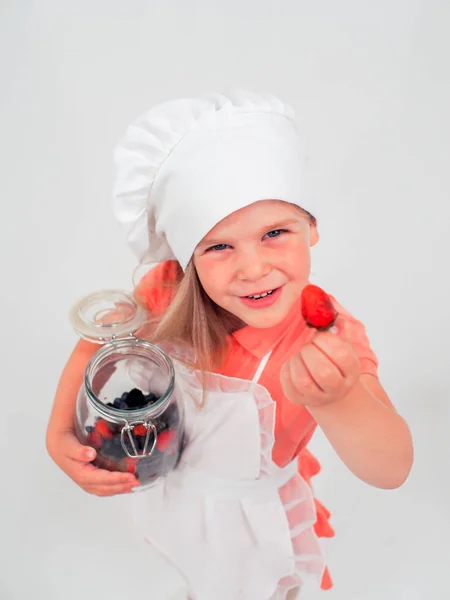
[129, 407]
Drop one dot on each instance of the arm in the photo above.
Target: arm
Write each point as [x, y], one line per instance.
[353, 410]
[370, 437]
[62, 445]
[63, 411]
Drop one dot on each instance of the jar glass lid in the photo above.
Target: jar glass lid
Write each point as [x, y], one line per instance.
[107, 314]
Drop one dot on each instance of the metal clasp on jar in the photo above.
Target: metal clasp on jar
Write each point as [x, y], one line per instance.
[128, 431]
[114, 338]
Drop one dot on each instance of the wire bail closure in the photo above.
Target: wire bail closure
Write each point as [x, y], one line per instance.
[128, 431]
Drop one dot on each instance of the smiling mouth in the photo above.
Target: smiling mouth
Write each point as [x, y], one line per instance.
[261, 294]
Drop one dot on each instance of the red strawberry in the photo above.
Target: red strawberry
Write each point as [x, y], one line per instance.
[165, 438]
[101, 427]
[317, 308]
[140, 430]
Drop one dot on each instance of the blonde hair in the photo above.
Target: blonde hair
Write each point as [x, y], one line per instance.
[192, 319]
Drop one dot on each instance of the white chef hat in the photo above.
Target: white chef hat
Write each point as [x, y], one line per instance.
[186, 164]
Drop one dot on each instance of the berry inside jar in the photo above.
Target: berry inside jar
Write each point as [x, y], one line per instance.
[148, 448]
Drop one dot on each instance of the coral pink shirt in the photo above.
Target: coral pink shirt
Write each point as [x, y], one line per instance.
[294, 425]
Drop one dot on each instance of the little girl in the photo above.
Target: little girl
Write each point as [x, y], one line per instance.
[213, 190]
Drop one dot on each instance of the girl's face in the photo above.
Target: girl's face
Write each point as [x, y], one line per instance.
[259, 250]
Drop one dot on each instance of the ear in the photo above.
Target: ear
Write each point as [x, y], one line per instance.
[313, 234]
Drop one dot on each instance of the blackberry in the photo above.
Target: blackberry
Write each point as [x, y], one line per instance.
[135, 399]
[150, 398]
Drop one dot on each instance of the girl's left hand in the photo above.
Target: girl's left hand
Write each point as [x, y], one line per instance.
[325, 369]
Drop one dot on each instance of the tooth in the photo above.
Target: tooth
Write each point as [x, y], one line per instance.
[257, 296]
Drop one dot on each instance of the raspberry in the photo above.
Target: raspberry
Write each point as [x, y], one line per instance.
[165, 438]
[94, 439]
[101, 427]
[140, 430]
[130, 464]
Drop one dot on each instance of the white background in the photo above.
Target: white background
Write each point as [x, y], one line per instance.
[370, 82]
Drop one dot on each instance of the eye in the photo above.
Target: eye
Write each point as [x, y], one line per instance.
[275, 233]
[217, 248]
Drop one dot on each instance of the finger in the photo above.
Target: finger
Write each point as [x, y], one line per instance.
[300, 376]
[343, 328]
[71, 448]
[337, 350]
[321, 368]
[109, 490]
[301, 383]
[290, 390]
[87, 474]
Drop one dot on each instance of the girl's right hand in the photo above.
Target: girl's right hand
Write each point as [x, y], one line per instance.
[75, 460]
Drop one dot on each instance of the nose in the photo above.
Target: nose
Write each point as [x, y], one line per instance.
[252, 265]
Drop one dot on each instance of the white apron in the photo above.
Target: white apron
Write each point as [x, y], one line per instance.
[234, 524]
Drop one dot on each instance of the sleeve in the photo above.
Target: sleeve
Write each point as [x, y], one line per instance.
[360, 341]
[157, 287]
